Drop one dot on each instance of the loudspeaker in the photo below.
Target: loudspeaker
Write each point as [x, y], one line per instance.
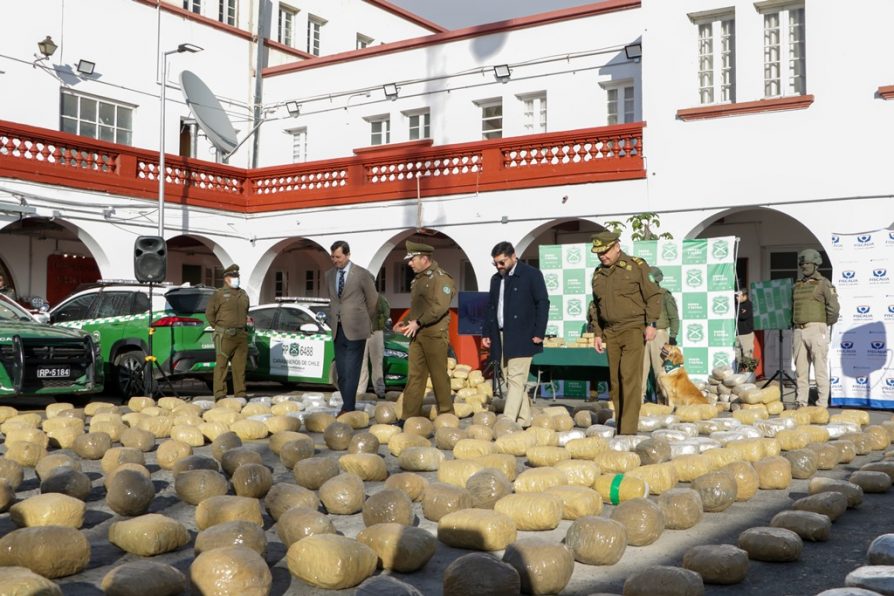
[150, 259]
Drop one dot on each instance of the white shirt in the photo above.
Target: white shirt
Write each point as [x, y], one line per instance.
[502, 293]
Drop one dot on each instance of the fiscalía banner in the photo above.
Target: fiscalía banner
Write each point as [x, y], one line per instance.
[860, 352]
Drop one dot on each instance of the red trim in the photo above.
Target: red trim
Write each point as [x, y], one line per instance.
[407, 15]
[198, 18]
[270, 43]
[797, 102]
[392, 172]
[886, 92]
[565, 14]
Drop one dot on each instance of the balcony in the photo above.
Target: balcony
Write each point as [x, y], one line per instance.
[389, 172]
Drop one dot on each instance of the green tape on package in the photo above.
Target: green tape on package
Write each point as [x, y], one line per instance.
[615, 491]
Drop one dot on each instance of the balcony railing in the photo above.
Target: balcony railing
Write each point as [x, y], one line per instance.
[383, 173]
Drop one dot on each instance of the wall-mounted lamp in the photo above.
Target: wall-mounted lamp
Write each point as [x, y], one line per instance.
[504, 219]
[85, 67]
[634, 51]
[502, 72]
[390, 90]
[293, 107]
[47, 48]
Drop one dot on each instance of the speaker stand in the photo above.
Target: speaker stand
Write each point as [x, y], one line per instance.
[151, 362]
[783, 376]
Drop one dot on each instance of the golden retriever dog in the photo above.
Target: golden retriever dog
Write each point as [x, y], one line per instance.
[675, 383]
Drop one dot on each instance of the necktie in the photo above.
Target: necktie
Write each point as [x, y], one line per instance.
[341, 281]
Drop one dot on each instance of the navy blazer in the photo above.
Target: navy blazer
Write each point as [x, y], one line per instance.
[525, 311]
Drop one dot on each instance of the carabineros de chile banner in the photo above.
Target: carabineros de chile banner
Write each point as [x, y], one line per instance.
[701, 274]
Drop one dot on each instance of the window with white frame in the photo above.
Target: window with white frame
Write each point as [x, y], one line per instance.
[286, 29]
[491, 118]
[620, 104]
[97, 118]
[419, 122]
[534, 106]
[379, 130]
[363, 41]
[314, 26]
[280, 283]
[193, 6]
[785, 55]
[299, 144]
[226, 12]
[716, 58]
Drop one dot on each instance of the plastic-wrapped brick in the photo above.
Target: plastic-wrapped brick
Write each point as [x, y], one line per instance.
[643, 520]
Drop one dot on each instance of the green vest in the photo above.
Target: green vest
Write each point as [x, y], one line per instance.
[806, 308]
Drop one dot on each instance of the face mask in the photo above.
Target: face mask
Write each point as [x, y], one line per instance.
[234, 282]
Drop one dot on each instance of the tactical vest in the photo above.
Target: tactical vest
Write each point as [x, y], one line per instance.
[806, 308]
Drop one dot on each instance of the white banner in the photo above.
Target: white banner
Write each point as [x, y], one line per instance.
[296, 357]
[860, 353]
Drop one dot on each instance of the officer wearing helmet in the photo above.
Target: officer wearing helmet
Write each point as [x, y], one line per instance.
[814, 309]
[666, 329]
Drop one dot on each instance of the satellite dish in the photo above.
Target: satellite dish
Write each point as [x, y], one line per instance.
[207, 111]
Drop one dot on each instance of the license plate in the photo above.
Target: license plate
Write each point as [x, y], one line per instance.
[53, 373]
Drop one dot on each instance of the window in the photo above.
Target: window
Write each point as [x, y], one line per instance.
[263, 318]
[193, 6]
[785, 57]
[226, 12]
[287, 25]
[96, 118]
[491, 119]
[311, 281]
[291, 320]
[620, 105]
[717, 60]
[113, 304]
[403, 277]
[420, 124]
[380, 130]
[191, 274]
[381, 284]
[314, 24]
[214, 277]
[280, 284]
[363, 41]
[534, 112]
[76, 309]
[140, 303]
[299, 145]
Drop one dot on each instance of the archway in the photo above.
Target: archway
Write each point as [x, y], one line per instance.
[291, 267]
[196, 260]
[559, 231]
[49, 257]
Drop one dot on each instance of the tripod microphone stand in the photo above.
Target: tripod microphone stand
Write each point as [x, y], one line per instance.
[780, 372]
[150, 361]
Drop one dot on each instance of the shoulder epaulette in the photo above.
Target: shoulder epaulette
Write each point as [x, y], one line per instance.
[638, 260]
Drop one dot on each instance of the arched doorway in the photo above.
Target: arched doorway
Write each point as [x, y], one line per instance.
[195, 260]
[296, 268]
[561, 231]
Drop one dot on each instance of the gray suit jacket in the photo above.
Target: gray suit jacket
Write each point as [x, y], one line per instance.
[357, 305]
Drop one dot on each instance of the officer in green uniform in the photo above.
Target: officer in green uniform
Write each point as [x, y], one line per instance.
[814, 309]
[628, 305]
[667, 327]
[227, 313]
[427, 325]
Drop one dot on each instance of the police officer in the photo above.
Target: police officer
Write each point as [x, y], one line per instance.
[227, 313]
[427, 325]
[628, 305]
[6, 290]
[814, 309]
[667, 327]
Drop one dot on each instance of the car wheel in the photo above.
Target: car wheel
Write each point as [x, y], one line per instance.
[128, 374]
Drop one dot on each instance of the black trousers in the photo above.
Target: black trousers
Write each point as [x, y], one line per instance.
[348, 356]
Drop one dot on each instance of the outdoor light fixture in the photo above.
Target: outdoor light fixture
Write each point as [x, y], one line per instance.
[47, 47]
[85, 67]
[502, 71]
[293, 107]
[634, 51]
[390, 90]
[186, 47]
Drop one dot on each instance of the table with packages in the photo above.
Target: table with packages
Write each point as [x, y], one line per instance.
[568, 364]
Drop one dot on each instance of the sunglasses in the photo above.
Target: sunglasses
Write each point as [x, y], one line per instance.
[501, 262]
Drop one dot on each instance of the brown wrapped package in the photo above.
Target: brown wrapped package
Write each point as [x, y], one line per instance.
[771, 544]
[389, 505]
[136, 438]
[50, 551]
[596, 540]
[501, 461]
[579, 472]
[364, 442]
[418, 425]
[482, 433]
[357, 419]
[384, 413]
[586, 448]
[543, 566]
[690, 467]
[400, 548]
[136, 578]
[224, 442]
[225, 508]
[447, 437]
[52, 509]
[682, 508]
[717, 490]
[191, 435]
[820, 484]
[148, 535]
[477, 529]
[318, 422]
[480, 573]
[195, 462]
[53, 462]
[653, 451]
[129, 493]
[280, 438]
[487, 487]
[283, 496]
[400, 441]
[871, 482]
[116, 456]
[545, 455]
[457, 471]
[774, 473]
[616, 462]
[577, 501]
[831, 504]
[660, 477]
[439, 499]
[847, 450]
[233, 458]
[194, 486]
[516, 443]
[862, 442]
[12, 472]
[313, 472]
[294, 451]
[878, 437]
[92, 445]
[337, 436]
[815, 527]
[21, 581]
[298, 523]
[747, 479]
[343, 495]
[446, 421]
[421, 459]
[68, 482]
[539, 479]
[368, 466]
[661, 579]
[804, 462]
[231, 570]
[472, 448]
[252, 480]
[413, 485]
[617, 488]
[642, 519]
[722, 564]
[331, 562]
[532, 511]
[826, 455]
[234, 533]
[885, 466]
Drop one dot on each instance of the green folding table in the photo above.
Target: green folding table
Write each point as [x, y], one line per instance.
[575, 364]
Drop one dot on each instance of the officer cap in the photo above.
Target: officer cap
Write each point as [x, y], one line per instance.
[656, 273]
[232, 271]
[603, 241]
[416, 249]
[808, 255]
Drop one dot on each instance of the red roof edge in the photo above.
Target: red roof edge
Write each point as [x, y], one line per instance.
[564, 14]
[406, 14]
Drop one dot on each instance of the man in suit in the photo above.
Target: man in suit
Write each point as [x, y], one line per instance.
[517, 311]
[353, 299]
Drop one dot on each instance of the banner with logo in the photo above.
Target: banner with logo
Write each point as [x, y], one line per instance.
[860, 353]
[772, 303]
[701, 274]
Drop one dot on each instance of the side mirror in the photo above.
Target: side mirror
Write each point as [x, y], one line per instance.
[42, 317]
[309, 328]
[321, 317]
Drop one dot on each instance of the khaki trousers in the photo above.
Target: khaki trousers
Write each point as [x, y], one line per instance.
[374, 353]
[518, 402]
[625, 373]
[744, 347]
[652, 360]
[428, 357]
[232, 350]
[811, 344]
